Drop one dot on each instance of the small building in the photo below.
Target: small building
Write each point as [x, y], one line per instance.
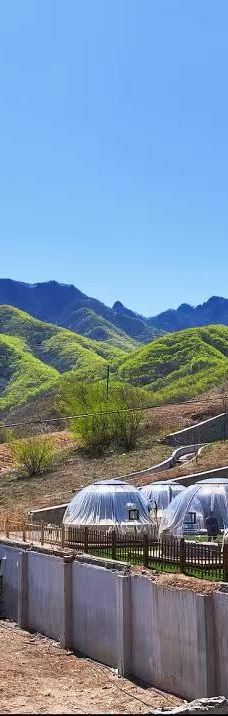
[109, 503]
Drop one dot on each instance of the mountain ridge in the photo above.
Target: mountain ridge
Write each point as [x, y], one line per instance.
[68, 307]
[37, 357]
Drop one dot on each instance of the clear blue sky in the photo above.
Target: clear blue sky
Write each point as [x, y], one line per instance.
[114, 147]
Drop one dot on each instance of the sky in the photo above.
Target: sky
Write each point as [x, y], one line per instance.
[114, 148]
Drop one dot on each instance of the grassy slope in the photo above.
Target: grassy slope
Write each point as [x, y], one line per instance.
[180, 365]
[22, 376]
[36, 353]
[56, 346]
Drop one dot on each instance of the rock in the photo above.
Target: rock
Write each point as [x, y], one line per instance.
[214, 705]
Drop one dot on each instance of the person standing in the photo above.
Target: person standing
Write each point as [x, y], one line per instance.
[212, 526]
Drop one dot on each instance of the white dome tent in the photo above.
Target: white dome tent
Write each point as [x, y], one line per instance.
[109, 503]
[160, 494]
[187, 513]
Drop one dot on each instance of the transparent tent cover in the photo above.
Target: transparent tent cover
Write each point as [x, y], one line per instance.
[160, 494]
[107, 503]
[188, 511]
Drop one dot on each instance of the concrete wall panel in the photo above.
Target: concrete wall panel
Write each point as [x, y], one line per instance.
[94, 598]
[10, 580]
[220, 600]
[165, 638]
[44, 593]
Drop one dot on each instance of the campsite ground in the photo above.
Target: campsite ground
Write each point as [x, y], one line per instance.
[37, 676]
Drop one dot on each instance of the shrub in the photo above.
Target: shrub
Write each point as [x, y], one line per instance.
[106, 421]
[35, 455]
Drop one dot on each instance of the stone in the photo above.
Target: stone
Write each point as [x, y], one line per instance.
[214, 705]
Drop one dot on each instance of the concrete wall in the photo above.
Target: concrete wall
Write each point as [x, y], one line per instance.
[203, 432]
[168, 637]
[50, 515]
[221, 642]
[94, 626]
[10, 555]
[197, 476]
[44, 593]
[174, 639]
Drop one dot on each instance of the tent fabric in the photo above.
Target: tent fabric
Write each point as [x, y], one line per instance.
[161, 492]
[188, 511]
[106, 503]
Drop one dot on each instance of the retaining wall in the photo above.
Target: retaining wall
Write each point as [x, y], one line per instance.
[204, 432]
[174, 639]
[197, 476]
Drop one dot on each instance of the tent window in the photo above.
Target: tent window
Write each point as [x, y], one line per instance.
[133, 514]
[190, 518]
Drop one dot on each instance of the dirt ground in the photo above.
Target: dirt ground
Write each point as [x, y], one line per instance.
[37, 676]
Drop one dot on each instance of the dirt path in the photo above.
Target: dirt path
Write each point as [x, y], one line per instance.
[37, 676]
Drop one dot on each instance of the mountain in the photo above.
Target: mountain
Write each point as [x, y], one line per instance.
[181, 365]
[68, 307]
[213, 311]
[36, 356]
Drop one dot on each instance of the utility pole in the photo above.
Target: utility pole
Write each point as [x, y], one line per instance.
[108, 371]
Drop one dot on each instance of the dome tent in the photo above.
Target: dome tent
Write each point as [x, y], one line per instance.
[187, 513]
[108, 503]
[160, 494]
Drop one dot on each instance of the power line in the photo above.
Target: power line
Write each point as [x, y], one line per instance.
[78, 416]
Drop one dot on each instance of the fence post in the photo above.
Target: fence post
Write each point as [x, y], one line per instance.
[86, 540]
[63, 536]
[24, 532]
[225, 562]
[182, 555]
[42, 533]
[7, 527]
[113, 544]
[145, 550]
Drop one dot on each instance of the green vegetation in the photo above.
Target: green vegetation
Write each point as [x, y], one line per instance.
[107, 422]
[86, 322]
[180, 365]
[35, 355]
[34, 456]
[22, 376]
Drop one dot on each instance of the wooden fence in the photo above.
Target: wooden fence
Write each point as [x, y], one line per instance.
[201, 559]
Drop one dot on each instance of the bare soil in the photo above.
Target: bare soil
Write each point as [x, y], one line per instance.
[177, 581]
[37, 676]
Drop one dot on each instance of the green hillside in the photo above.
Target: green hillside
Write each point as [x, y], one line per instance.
[56, 346]
[87, 323]
[180, 365]
[34, 356]
[22, 376]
